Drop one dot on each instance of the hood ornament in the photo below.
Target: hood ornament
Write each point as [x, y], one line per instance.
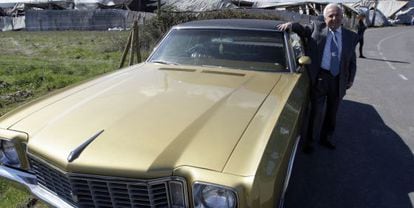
[76, 152]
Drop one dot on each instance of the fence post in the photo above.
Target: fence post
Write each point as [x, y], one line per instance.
[124, 54]
[158, 7]
[133, 45]
[137, 43]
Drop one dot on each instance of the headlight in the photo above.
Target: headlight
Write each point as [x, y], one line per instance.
[213, 196]
[8, 154]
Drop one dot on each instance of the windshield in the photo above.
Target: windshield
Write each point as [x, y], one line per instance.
[242, 49]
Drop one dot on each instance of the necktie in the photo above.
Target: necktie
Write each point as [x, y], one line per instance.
[334, 68]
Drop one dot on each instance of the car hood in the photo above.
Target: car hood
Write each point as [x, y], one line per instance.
[154, 118]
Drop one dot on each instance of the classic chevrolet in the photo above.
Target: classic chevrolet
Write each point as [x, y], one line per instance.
[212, 119]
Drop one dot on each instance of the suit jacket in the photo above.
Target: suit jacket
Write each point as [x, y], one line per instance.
[315, 37]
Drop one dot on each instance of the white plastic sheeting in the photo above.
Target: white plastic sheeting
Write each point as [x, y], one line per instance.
[281, 1]
[389, 8]
[198, 5]
[94, 4]
[12, 23]
[12, 3]
[79, 4]
[380, 19]
[180, 5]
[266, 3]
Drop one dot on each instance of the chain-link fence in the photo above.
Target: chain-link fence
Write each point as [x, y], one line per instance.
[83, 20]
[45, 20]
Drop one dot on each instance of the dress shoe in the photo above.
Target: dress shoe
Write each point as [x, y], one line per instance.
[307, 149]
[361, 56]
[327, 144]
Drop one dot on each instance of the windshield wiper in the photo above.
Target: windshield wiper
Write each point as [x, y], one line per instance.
[163, 62]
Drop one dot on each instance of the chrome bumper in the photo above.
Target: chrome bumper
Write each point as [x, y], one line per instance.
[29, 181]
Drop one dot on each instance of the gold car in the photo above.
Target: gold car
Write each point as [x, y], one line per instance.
[211, 119]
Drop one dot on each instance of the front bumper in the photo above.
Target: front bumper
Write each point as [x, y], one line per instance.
[29, 181]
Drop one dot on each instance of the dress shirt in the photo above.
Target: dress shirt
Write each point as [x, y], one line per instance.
[326, 58]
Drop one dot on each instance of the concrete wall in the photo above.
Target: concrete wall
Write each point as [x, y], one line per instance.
[40, 20]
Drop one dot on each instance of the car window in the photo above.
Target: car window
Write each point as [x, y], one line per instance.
[241, 49]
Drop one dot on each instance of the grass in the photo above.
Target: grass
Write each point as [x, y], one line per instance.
[35, 63]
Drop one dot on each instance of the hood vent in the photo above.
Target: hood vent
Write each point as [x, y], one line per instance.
[177, 69]
[223, 73]
[203, 71]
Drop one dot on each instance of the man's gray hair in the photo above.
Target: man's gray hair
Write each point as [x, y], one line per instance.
[330, 5]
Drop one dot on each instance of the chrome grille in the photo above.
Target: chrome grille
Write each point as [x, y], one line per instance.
[53, 180]
[107, 192]
[100, 191]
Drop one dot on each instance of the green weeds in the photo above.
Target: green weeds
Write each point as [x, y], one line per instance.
[35, 63]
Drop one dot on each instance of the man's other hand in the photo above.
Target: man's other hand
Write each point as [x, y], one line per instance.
[284, 26]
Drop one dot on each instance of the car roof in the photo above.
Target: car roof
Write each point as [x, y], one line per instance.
[256, 24]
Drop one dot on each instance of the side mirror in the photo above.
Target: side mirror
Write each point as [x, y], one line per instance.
[304, 60]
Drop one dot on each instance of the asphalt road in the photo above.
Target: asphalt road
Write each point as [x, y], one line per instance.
[373, 165]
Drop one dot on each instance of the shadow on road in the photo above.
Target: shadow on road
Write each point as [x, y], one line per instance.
[392, 61]
[371, 168]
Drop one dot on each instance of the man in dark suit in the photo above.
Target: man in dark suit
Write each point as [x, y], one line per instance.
[331, 48]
